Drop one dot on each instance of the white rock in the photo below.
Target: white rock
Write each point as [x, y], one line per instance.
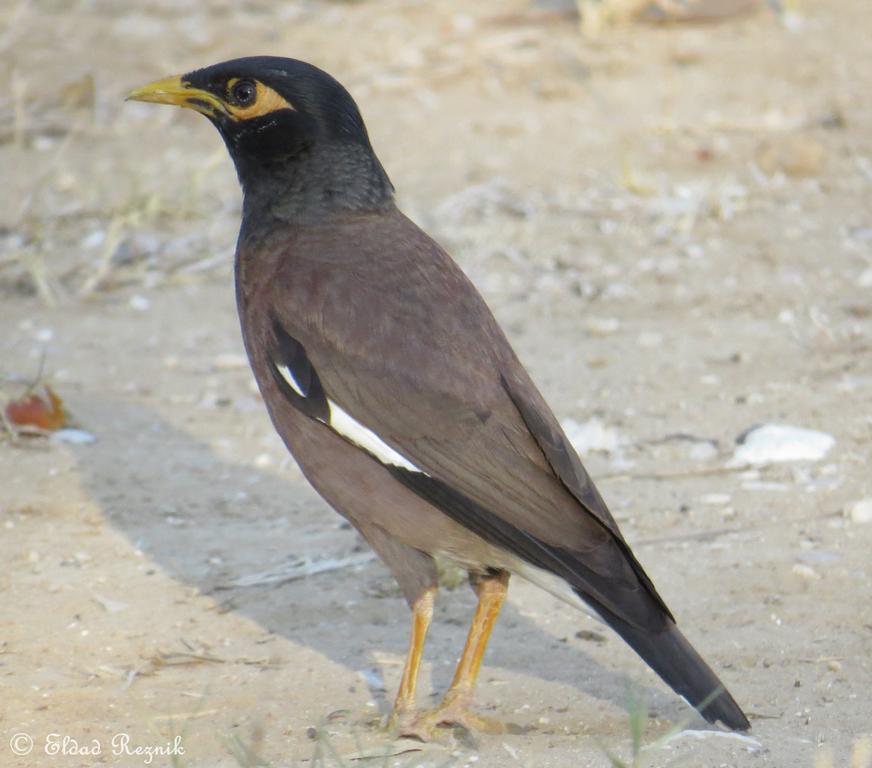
[805, 572]
[72, 436]
[860, 511]
[263, 461]
[715, 499]
[771, 443]
[602, 326]
[93, 240]
[702, 451]
[139, 303]
[592, 435]
[865, 278]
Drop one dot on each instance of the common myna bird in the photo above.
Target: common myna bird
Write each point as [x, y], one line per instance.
[398, 394]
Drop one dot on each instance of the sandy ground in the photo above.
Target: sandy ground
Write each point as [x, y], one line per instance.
[673, 224]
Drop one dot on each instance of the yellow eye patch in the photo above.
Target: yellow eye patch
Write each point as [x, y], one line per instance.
[266, 100]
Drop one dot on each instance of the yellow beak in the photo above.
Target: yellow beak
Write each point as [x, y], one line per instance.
[173, 90]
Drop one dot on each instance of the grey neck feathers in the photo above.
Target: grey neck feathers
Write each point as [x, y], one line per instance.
[315, 187]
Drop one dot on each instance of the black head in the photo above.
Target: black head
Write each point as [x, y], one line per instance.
[295, 134]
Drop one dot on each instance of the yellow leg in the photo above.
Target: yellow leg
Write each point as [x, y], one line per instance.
[404, 706]
[454, 709]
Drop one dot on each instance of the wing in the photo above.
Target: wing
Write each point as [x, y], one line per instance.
[389, 332]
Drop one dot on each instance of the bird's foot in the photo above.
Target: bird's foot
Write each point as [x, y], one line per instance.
[453, 711]
[401, 720]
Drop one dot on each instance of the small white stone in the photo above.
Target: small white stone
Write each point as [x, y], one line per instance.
[139, 303]
[702, 451]
[716, 499]
[592, 435]
[602, 326]
[805, 572]
[860, 511]
[93, 240]
[263, 461]
[73, 437]
[771, 443]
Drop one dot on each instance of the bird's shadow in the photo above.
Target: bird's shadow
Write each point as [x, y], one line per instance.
[205, 520]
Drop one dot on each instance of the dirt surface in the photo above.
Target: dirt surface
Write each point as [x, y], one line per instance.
[672, 223]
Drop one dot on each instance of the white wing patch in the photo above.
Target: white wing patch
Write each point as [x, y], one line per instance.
[288, 376]
[352, 430]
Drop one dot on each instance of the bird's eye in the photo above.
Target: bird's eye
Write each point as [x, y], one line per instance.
[243, 93]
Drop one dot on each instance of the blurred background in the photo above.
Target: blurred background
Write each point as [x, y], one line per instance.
[666, 203]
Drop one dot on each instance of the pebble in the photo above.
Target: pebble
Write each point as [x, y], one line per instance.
[792, 155]
[263, 461]
[139, 303]
[805, 572]
[602, 326]
[72, 437]
[771, 443]
[93, 240]
[592, 435]
[860, 511]
[703, 451]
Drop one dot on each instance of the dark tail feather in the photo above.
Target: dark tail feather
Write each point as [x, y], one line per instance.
[672, 657]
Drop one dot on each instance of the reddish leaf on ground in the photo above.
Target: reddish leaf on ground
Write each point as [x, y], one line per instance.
[35, 410]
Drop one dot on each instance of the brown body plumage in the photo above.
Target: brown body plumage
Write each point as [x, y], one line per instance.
[352, 315]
